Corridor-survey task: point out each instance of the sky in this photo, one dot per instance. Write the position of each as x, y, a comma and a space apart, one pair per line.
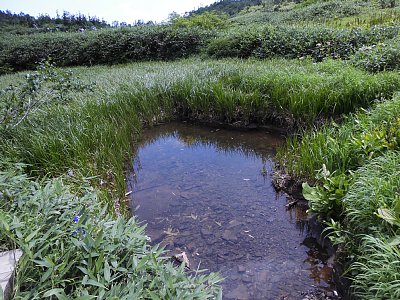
127, 11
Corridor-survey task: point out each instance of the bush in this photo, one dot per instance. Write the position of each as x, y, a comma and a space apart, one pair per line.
379, 57
296, 42
107, 46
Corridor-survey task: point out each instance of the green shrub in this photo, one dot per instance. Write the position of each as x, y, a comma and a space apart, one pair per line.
107, 46
296, 42
379, 57
323, 10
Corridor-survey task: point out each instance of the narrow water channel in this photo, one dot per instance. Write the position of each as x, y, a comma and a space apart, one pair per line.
208, 192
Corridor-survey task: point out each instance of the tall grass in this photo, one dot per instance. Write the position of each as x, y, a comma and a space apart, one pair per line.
377, 270
355, 168
360, 138
94, 132
375, 187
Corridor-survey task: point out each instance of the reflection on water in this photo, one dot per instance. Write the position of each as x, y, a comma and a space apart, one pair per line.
208, 192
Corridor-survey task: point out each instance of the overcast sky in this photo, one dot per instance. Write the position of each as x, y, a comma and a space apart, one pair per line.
112, 10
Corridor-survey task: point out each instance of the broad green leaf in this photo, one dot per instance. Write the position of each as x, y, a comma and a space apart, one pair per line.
32, 235
310, 193
387, 215
43, 263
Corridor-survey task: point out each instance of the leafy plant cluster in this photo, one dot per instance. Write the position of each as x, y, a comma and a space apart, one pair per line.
206, 20
229, 7
323, 10
73, 248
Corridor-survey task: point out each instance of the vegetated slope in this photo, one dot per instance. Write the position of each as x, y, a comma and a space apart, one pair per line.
230, 7
334, 13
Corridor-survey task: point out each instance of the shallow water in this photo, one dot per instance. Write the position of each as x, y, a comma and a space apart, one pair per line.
208, 192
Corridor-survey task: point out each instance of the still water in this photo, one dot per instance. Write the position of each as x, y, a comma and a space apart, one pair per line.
208, 192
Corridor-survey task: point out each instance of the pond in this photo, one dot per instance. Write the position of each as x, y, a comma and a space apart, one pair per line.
208, 192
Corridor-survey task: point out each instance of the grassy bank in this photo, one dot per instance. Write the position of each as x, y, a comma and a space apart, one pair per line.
354, 170
93, 132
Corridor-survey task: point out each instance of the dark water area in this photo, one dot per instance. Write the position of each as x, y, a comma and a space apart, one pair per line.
208, 192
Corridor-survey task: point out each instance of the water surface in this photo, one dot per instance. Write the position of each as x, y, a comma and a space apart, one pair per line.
208, 192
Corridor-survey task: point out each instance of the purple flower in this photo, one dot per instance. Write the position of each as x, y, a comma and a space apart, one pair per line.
79, 230
76, 219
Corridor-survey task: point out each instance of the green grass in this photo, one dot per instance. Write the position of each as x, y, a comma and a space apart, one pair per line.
344, 147
372, 210
336, 14
377, 271
94, 132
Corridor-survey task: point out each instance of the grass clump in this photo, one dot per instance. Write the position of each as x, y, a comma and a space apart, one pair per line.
360, 138
377, 270
374, 196
372, 210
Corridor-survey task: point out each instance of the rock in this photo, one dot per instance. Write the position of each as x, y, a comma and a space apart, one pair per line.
211, 241
234, 223
182, 258
262, 276
241, 269
246, 279
8, 261
206, 233
229, 236
239, 293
